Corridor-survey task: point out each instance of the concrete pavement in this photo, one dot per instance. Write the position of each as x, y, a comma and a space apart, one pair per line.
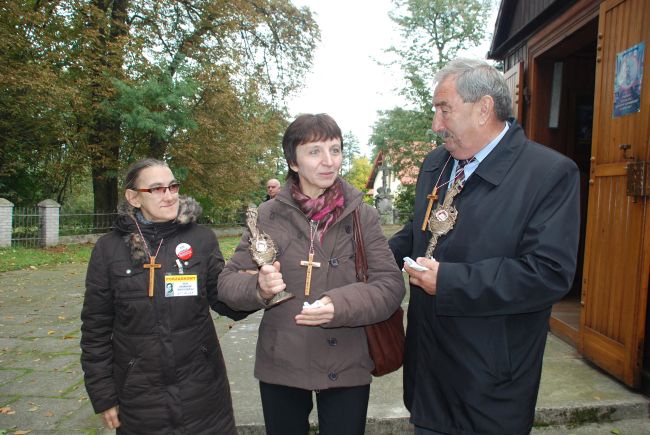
42, 392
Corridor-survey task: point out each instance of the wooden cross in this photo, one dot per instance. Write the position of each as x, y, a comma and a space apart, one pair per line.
432, 198
310, 263
152, 266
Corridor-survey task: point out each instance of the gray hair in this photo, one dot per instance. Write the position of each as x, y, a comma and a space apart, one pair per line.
477, 78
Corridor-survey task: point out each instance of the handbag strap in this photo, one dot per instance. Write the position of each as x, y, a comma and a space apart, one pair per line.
360, 260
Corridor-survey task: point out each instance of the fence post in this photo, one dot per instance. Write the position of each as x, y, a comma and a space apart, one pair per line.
48, 211
6, 217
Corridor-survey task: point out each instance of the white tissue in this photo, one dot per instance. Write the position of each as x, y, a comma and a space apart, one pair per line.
316, 304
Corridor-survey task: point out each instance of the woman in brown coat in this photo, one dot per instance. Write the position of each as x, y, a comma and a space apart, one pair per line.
320, 348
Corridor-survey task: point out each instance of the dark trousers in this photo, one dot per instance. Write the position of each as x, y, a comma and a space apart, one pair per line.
424, 431
341, 411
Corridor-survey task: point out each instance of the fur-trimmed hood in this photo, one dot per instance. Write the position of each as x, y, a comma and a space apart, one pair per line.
189, 210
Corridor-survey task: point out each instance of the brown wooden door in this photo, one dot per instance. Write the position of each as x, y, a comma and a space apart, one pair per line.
617, 251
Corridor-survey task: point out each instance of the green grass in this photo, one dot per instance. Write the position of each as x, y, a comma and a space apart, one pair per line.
228, 245
18, 258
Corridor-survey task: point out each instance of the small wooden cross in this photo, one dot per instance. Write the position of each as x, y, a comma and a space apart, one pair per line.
152, 266
433, 197
310, 263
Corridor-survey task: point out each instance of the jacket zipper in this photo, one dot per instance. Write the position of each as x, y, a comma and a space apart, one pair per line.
129, 367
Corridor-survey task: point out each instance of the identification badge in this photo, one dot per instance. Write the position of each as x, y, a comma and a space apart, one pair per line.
181, 285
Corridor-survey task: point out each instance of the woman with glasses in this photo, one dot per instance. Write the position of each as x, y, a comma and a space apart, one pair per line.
150, 353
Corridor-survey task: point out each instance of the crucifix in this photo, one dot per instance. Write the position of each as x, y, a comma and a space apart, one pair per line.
152, 266
309, 263
433, 197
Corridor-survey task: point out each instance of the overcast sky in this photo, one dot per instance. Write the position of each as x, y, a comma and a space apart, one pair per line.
345, 80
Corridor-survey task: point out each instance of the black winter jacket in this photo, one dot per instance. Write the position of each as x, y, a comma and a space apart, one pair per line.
158, 358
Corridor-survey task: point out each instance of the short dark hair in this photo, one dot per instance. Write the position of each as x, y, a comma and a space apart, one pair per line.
308, 128
134, 170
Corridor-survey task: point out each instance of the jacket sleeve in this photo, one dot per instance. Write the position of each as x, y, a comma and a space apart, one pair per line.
361, 303
215, 267
401, 243
541, 272
96, 331
237, 288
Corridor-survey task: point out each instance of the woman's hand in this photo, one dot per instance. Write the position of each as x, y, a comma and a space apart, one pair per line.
110, 418
270, 280
317, 316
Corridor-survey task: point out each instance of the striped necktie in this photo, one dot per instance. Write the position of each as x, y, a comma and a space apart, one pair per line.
459, 177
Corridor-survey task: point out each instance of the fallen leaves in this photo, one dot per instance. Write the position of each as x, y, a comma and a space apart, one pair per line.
7, 410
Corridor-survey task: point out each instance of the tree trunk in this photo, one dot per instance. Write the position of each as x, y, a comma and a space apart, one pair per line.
105, 134
157, 147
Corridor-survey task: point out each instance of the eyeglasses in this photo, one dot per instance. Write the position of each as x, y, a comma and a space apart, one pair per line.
160, 190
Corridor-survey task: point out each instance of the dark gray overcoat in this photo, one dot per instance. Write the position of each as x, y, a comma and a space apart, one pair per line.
474, 351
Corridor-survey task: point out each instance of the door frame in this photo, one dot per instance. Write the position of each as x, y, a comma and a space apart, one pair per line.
538, 77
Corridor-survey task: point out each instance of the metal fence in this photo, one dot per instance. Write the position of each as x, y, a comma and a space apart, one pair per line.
224, 220
25, 226
73, 224
80, 227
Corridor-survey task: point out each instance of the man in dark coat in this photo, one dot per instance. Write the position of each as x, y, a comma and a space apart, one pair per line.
506, 225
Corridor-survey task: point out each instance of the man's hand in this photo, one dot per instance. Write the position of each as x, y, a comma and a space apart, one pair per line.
270, 280
428, 279
316, 316
110, 418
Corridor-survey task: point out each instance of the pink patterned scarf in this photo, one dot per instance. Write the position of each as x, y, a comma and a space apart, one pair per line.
325, 209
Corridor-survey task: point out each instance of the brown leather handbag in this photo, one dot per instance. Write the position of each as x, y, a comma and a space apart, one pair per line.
386, 338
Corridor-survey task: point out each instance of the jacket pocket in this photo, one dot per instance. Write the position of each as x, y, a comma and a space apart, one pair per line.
213, 359
129, 281
123, 374
501, 367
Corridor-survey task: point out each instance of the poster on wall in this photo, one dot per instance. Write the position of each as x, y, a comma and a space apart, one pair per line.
627, 85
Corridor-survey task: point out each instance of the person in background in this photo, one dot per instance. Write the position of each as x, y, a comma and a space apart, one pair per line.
273, 187
150, 353
500, 243
314, 343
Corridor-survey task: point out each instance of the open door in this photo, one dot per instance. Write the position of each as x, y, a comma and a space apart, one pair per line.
617, 250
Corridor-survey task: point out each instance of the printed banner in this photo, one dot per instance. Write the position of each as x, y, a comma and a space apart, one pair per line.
627, 85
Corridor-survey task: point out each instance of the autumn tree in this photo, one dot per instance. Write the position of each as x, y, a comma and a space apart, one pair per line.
201, 84
433, 32
39, 143
350, 151
359, 172
404, 135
